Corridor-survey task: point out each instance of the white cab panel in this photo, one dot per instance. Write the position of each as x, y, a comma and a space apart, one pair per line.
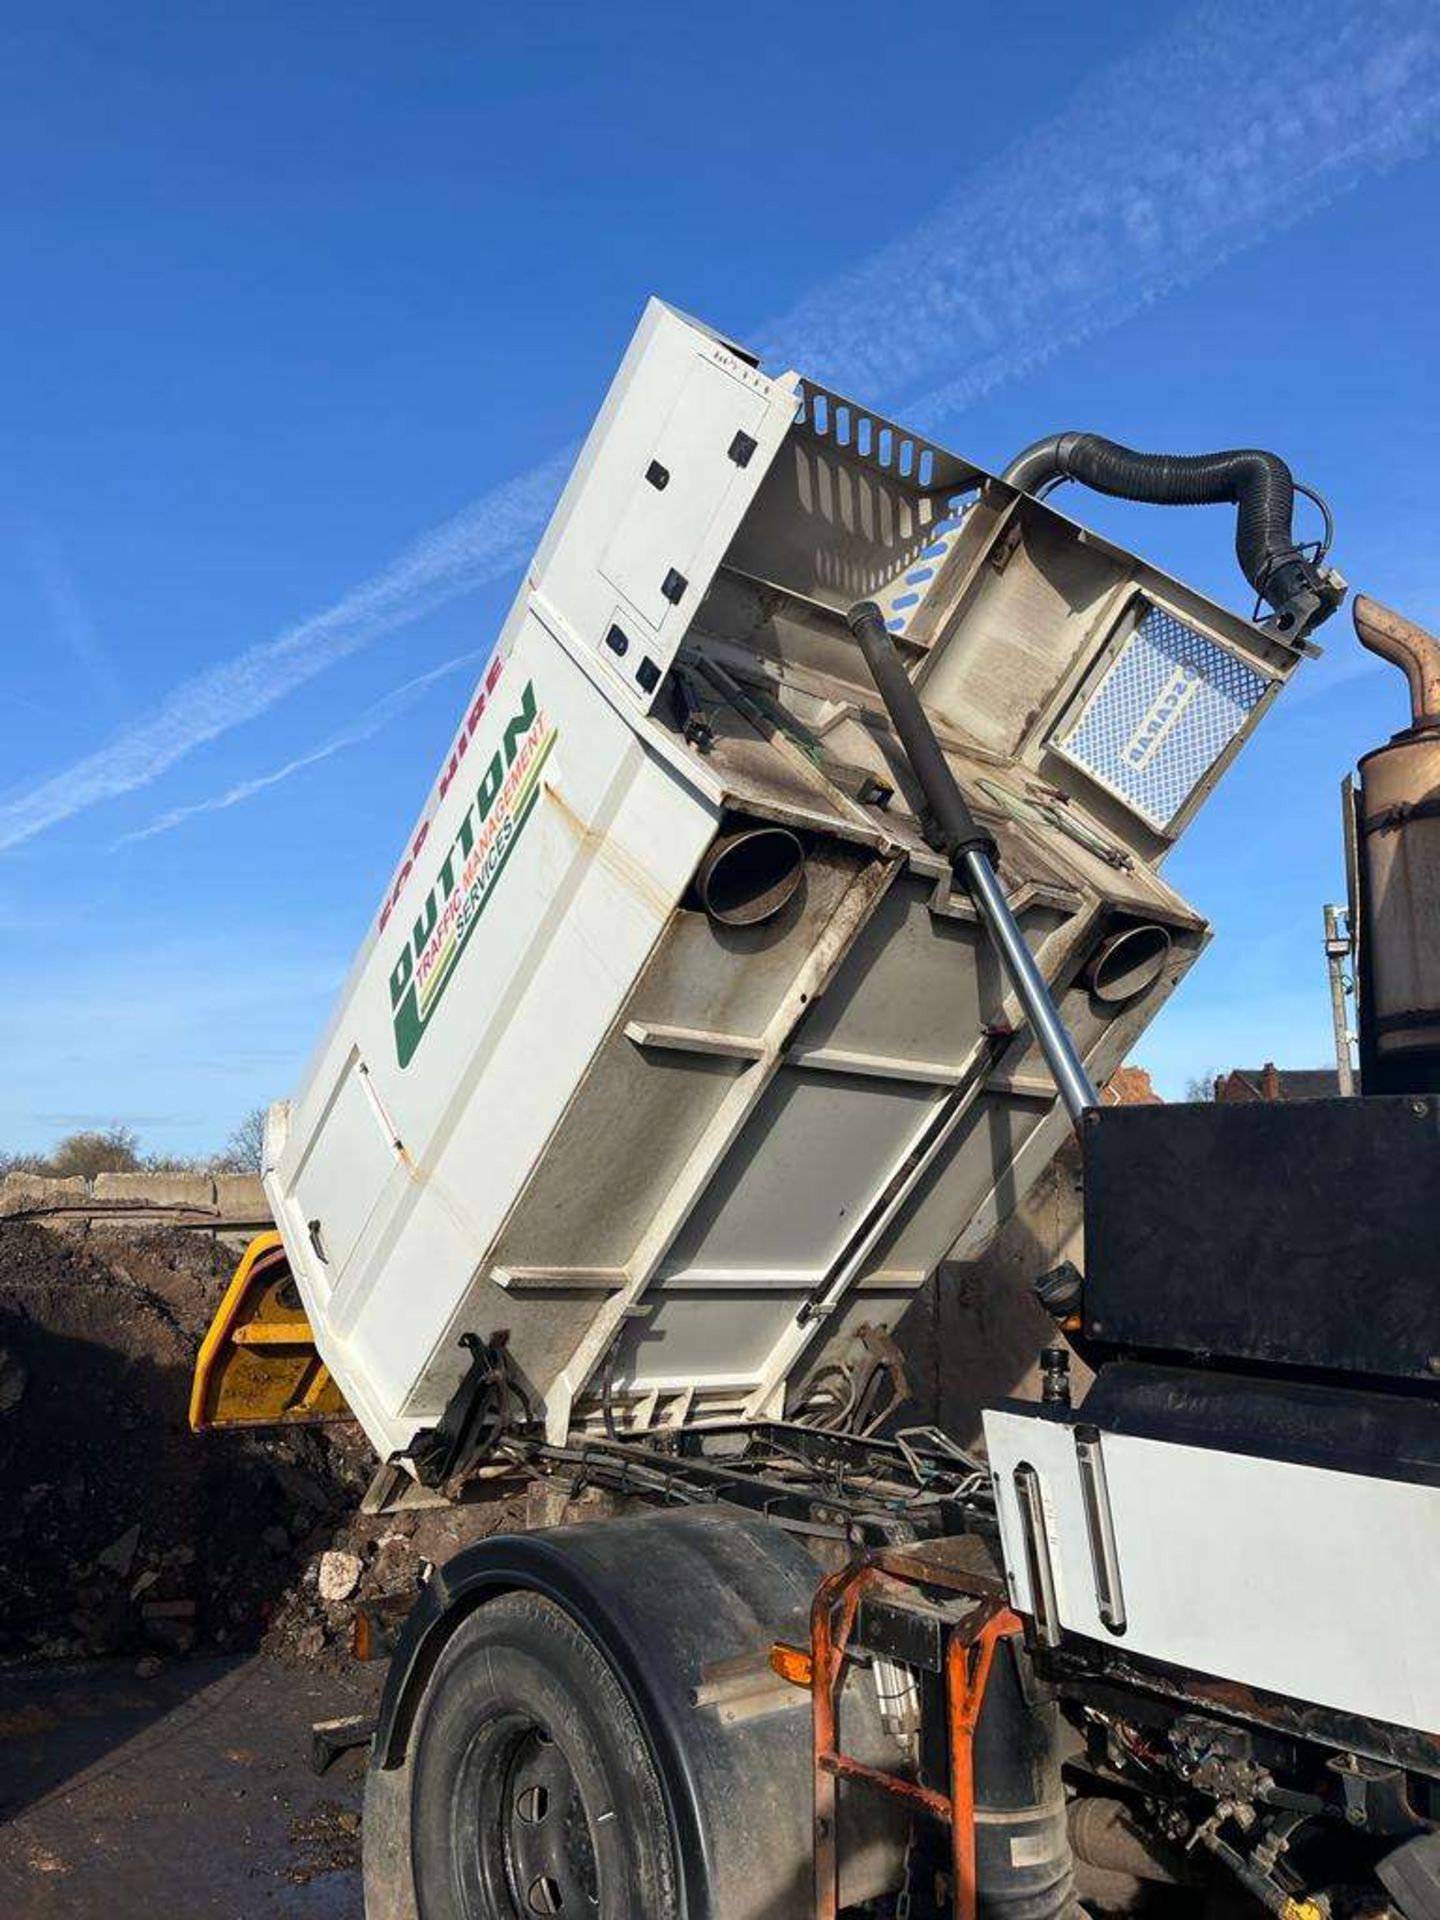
1317, 1585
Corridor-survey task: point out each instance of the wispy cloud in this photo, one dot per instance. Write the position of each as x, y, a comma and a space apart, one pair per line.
1212, 137
167, 991
491, 538
71, 622
364, 727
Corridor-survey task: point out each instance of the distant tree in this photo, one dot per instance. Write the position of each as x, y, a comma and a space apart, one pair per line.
109, 1150
245, 1149
21, 1163
1201, 1086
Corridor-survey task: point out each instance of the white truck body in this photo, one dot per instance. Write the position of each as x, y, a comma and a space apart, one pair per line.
558, 1101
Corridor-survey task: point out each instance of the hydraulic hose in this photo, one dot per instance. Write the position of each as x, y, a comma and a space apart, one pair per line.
1258, 484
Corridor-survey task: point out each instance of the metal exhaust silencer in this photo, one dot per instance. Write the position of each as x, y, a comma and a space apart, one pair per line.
1400, 855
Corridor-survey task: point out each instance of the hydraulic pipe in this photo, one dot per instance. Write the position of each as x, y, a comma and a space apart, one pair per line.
971, 851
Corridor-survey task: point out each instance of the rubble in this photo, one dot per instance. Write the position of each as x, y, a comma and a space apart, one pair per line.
14, 1377
119, 1556
338, 1574
390, 1557
328, 1840
120, 1530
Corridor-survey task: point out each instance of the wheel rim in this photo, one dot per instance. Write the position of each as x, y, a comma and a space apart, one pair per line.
530, 1851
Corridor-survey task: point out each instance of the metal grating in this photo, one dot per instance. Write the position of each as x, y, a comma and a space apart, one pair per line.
1168, 706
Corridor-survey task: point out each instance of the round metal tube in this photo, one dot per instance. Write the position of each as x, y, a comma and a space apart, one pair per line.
1409, 647
969, 845
1128, 963
1104, 1834
750, 874
1051, 1034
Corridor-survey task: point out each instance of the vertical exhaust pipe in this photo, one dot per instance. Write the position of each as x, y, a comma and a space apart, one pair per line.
971, 852
1399, 831
1407, 646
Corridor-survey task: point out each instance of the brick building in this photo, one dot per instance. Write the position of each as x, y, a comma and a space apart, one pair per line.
1278, 1083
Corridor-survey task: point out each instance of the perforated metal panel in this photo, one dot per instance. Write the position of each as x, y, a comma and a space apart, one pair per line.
1166, 708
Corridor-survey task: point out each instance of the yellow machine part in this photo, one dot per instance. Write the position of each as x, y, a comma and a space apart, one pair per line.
257, 1365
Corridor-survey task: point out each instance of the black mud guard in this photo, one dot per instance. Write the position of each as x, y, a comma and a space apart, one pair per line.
670, 1598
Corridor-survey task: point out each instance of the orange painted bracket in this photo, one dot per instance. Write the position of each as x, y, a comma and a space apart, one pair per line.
969, 1657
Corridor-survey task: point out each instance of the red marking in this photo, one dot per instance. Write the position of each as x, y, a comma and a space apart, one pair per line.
451, 768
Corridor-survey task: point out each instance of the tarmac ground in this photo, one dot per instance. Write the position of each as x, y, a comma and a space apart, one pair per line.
186, 1793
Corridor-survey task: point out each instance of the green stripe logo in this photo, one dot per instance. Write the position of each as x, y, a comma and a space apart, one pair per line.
469, 874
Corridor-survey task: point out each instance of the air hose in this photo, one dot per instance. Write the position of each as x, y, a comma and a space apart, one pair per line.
1024, 1867
1302, 591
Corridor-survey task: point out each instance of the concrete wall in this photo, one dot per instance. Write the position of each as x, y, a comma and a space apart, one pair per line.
230, 1206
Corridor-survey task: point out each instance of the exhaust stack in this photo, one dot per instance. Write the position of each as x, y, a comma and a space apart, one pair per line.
1399, 836
1409, 647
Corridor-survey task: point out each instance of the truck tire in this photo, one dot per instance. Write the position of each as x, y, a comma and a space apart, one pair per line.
385, 1845
529, 1788
641, 1643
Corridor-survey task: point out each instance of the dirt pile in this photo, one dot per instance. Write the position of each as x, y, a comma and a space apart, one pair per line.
123, 1532
379, 1563
120, 1530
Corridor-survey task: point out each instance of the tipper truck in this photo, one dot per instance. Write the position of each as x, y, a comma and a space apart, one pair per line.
793, 879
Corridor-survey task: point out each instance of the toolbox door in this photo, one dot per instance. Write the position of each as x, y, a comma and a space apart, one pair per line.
699, 455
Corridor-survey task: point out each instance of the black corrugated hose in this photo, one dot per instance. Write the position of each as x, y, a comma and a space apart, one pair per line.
1024, 1866
1258, 484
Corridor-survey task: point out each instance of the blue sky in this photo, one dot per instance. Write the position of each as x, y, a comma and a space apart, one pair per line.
302, 303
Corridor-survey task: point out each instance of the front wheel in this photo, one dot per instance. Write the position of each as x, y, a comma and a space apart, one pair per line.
530, 1788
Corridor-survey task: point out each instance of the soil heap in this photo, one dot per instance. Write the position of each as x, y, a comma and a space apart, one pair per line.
120, 1530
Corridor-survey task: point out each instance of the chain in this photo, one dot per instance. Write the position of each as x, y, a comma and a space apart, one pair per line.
905, 1905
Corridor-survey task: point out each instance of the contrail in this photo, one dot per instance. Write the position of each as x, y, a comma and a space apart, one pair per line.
69, 616
363, 728
1216, 135
491, 538
1212, 137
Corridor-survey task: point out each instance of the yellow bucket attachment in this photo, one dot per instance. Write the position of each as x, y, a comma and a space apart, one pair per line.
258, 1366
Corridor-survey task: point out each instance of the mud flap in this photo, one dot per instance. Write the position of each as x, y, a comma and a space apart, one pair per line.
258, 1365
